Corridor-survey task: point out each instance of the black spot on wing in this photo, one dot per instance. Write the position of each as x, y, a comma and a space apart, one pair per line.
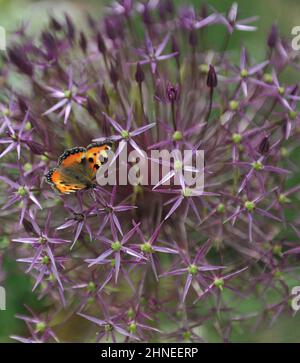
103, 159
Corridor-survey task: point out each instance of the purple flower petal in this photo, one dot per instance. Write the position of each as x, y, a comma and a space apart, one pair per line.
187, 286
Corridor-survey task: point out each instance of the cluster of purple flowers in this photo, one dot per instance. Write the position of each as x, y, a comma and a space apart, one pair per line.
137, 263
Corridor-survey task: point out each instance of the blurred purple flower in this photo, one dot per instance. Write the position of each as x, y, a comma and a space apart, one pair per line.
72, 94
152, 55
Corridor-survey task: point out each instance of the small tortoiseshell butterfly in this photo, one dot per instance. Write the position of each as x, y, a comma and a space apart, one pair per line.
77, 167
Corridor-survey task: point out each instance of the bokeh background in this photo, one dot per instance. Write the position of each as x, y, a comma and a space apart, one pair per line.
34, 13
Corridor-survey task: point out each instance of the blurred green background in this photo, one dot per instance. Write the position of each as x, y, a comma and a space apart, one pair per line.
284, 13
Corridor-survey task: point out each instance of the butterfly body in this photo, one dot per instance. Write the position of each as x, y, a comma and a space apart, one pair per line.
77, 167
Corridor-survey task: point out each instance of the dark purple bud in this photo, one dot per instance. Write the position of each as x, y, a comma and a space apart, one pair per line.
166, 7
28, 226
114, 76
91, 106
193, 40
118, 25
273, 36
104, 96
146, 16
294, 90
169, 6
48, 40
172, 93
101, 44
50, 44
70, 28
17, 56
91, 22
110, 29
82, 42
139, 74
55, 25
22, 105
264, 146
212, 80
284, 127
162, 10
36, 147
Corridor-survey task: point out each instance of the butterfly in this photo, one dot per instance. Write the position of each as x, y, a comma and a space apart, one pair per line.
77, 167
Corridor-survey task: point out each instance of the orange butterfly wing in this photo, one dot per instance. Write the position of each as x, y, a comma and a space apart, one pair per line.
96, 154
57, 178
72, 156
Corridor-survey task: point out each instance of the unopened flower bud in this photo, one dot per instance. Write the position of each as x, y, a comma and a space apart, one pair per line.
264, 146
35, 147
172, 93
212, 80
114, 77
110, 29
273, 36
101, 44
70, 28
91, 106
22, 104
55, 25
18, 57
139, 74
83, 42
146, 16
